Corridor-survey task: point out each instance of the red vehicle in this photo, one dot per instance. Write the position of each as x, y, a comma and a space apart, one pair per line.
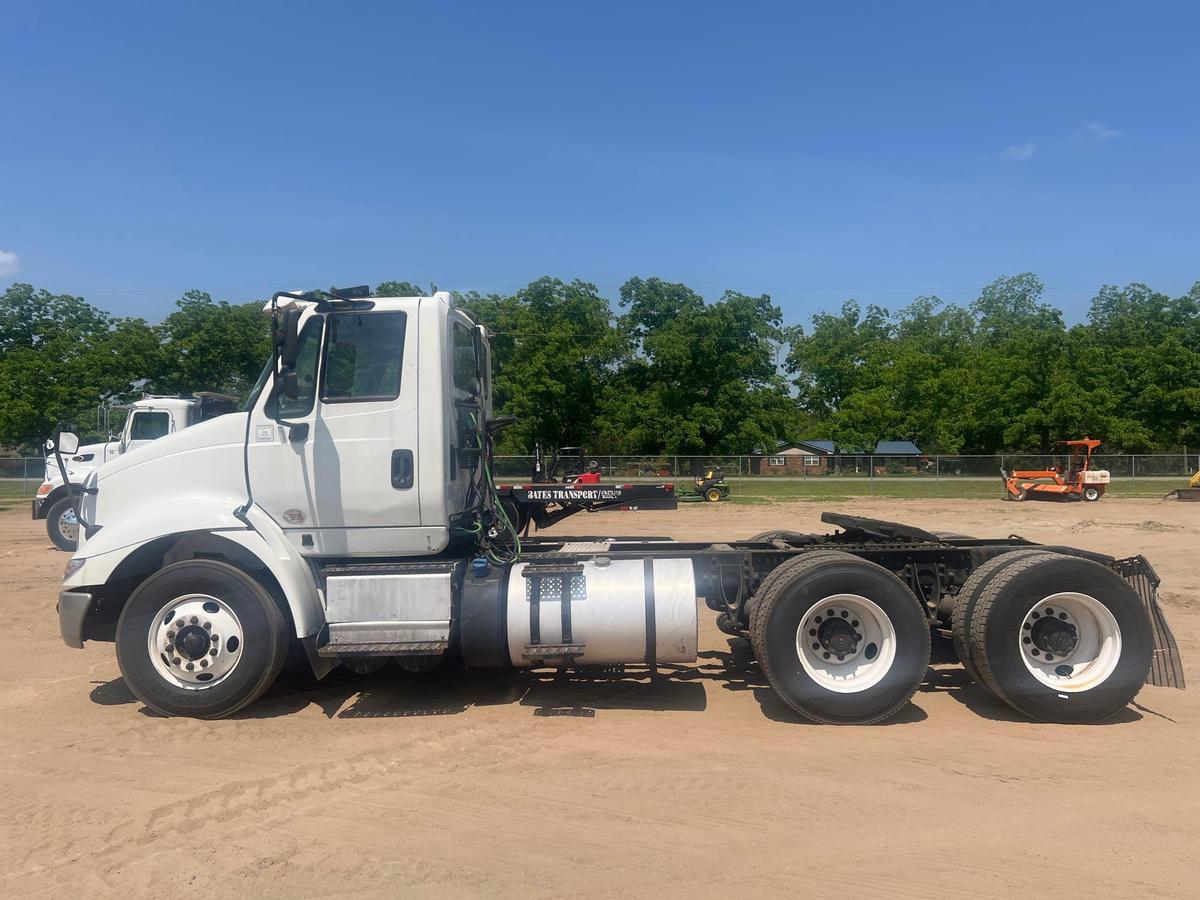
1079, 482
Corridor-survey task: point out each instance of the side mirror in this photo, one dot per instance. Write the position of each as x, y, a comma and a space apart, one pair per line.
287, 338
66, 443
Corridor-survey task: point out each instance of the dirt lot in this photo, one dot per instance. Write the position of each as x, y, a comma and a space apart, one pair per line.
702, 784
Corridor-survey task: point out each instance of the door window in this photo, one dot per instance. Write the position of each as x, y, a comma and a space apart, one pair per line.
149, 426
281, 407
363, 357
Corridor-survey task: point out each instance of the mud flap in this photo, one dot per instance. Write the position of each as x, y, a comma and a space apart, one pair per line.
1166, 667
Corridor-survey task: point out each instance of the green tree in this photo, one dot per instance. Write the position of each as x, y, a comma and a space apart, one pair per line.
556, 349
704, 379
60, 358
210, 345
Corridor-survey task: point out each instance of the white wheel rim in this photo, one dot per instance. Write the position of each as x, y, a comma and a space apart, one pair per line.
195, 641
1085, 632
873, 645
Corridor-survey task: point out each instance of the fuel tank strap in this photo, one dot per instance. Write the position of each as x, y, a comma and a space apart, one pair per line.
651, 637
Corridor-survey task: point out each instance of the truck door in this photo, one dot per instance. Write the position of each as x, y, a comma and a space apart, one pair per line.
340, 475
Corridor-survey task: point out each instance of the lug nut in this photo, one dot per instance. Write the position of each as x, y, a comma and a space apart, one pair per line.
212, 652
812, 632
194, 620
845, 615
1049, 611
854, 623
1062, 615
1026, 640
190, 667
208, 626
816, 646
829, 612
204, 663
215, 638
1027, 626
175, 661
825, 655
180, 623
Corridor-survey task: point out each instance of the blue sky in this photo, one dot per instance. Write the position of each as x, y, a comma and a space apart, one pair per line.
813, 151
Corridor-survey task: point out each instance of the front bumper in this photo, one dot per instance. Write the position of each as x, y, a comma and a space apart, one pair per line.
38, 503
73, 607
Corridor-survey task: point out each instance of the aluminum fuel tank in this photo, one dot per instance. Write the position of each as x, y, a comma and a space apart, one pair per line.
601, 611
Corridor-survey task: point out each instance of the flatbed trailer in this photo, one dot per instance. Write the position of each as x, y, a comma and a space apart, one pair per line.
370, 528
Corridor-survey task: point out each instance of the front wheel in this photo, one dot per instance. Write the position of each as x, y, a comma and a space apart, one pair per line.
712, 495
200, 638
1091, 494
62, 525
841, 639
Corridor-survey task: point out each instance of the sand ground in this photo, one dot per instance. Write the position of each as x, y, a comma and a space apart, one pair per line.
700, 784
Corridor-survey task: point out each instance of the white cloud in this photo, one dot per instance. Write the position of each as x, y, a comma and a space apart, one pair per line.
1019, 151
1099, 131
10, 263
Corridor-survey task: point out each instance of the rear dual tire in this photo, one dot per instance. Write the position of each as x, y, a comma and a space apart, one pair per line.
1058, 638
813, 607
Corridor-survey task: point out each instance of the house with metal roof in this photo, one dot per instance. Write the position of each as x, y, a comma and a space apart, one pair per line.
897, 448
807, 457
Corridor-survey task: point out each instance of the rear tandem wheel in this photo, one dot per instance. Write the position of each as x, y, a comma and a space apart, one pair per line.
841, 639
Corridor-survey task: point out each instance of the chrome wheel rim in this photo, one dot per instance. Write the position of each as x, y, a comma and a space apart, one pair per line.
68, 525
846, 643
195, 641
1070, 642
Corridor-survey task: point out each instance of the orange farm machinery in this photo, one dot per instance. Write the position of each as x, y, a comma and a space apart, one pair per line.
1079, 482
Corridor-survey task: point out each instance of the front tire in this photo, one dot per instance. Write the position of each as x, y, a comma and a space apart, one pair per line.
841, 640
1061, 639
62, 525
1091, 494
200, 638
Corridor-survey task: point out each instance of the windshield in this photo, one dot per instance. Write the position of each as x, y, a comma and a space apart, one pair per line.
258, 386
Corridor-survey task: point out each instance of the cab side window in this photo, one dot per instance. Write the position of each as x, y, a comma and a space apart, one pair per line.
149, 426
466, 362
281, 407
363, 357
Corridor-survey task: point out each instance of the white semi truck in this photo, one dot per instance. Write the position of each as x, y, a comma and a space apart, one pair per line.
352, 508
148, 419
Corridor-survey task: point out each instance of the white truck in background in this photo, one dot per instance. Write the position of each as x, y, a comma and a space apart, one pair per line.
149, 418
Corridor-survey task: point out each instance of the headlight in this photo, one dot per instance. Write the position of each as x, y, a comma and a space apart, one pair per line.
73, 566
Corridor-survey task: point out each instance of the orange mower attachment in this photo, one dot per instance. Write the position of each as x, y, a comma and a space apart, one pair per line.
1079, 482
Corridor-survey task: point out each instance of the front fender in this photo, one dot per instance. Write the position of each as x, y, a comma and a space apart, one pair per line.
202, 523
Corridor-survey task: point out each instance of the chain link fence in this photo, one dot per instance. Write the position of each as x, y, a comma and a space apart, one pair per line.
798, 475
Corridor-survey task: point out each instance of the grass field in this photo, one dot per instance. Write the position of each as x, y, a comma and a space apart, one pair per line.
769, 490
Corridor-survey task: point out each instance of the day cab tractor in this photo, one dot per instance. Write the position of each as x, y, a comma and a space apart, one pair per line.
1079, 482
147, 419
352, 509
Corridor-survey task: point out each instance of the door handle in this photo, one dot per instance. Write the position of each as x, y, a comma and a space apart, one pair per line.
402, 469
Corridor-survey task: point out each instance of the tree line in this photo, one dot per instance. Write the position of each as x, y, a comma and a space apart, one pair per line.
665, 370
